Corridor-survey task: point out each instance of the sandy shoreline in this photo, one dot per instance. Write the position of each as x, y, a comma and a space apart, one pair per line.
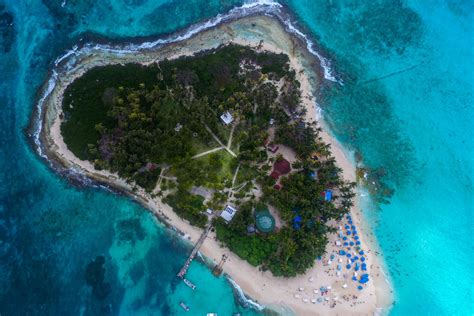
276, 293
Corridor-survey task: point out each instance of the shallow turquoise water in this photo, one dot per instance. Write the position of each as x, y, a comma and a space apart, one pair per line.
406, 105
417, 124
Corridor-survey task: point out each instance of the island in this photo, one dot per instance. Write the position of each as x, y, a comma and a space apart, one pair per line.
218, 135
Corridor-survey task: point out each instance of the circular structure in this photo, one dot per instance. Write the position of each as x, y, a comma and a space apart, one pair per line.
264, 221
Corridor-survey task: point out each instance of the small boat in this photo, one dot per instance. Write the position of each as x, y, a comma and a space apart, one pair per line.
189, 283
184, 306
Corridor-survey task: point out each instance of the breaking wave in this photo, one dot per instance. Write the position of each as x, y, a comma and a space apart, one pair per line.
244, 300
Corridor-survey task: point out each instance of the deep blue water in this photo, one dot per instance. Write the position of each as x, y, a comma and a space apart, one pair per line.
406, 106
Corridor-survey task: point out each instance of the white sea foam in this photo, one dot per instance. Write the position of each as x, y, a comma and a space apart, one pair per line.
39, 112
245, 300
266, 7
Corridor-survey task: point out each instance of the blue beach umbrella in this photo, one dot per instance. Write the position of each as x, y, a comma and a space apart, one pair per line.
362, 259
346, 244
339, 267
342, 252
348, 255
360, 287
354, 278
344, 238
348, 232
348, 266
364, 278
356, 237
351, 243
357, 242
361, 252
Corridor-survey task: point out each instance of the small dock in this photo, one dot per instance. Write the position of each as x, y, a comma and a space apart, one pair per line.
217, 271
193, 253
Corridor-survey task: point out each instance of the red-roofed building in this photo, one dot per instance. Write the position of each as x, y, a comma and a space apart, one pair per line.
282, 167
150, 166
275, 175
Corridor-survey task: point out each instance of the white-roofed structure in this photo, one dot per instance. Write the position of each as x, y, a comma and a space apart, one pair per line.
227, 118
228, 213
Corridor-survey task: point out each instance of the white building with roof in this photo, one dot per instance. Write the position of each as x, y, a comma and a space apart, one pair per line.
228, 213
227, 118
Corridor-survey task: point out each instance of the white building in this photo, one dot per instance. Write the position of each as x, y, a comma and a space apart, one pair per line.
228, 213
227, 118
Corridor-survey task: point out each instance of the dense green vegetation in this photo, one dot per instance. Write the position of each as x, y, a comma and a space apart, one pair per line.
154, 125
87, 101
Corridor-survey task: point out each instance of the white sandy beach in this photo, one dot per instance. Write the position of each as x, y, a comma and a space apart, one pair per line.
286, 295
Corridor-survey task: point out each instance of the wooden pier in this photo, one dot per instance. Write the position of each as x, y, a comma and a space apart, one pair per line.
198, 244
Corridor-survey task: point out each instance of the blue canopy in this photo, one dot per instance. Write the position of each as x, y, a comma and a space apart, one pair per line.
351, 243
348, 266
353, 227
356, 237
360, 287
364, 278
361, 252
344, 238
357, 242
328, 195
348, 255
297, 219
362, 259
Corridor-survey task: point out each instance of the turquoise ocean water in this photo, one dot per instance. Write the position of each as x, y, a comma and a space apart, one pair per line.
406, 104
